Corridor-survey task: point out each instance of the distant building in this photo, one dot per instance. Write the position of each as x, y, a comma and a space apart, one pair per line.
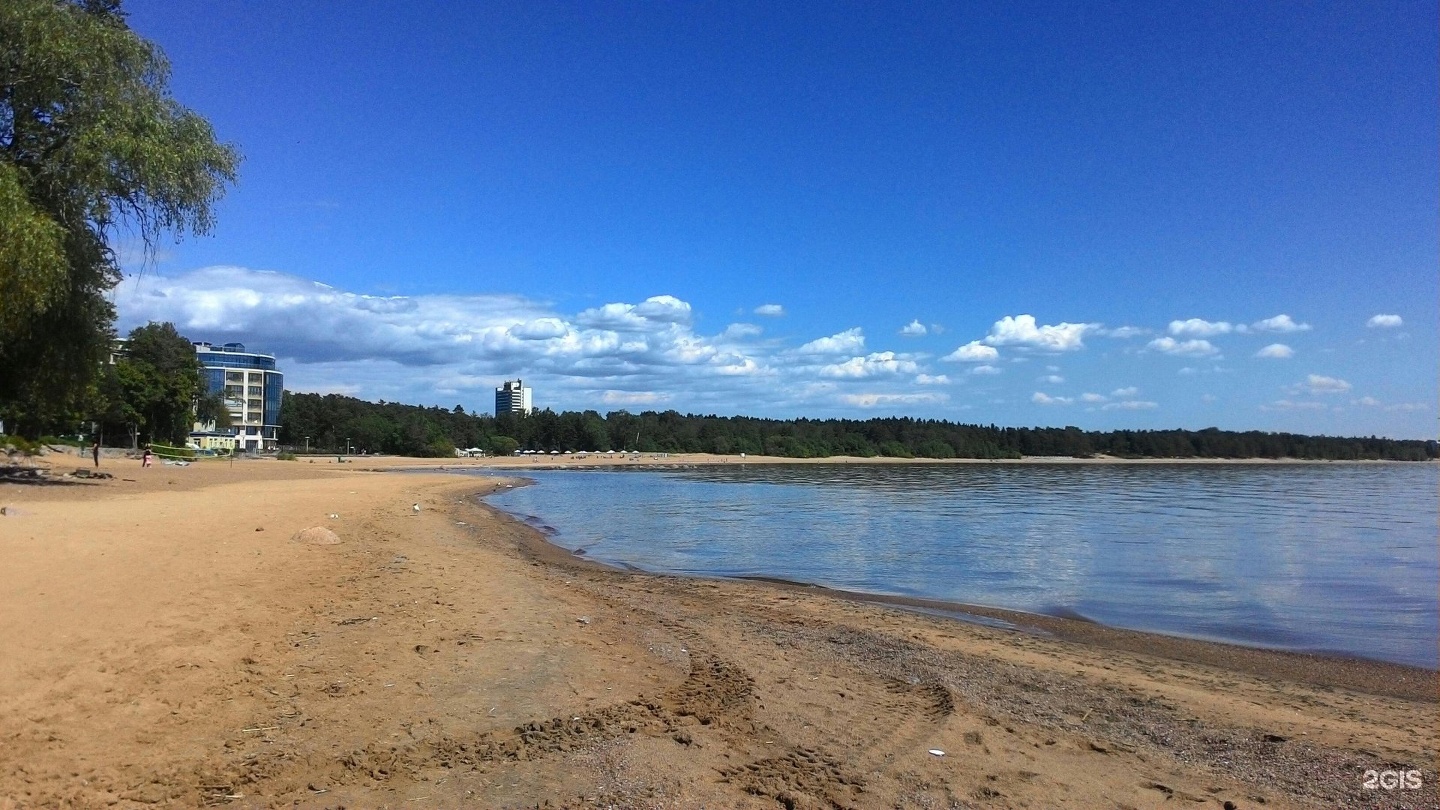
512, 397
251, 387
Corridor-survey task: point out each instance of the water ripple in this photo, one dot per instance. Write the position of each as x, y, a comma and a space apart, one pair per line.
1337, 557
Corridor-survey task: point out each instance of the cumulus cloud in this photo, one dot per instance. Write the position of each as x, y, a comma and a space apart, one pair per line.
1126, 392
873, 365
741, 331
633, 397
874, 400
1053, 379
1280, 323
1130, 405
1092, 398
645, 316
770, 310
1320, 384
986, 370
1276, 351
926, 379
1403, 407
539, 329
1040, 398
1021, 330
1289, 405
1385, 322
1196, 327
913, 329
847, 342
1184, 348
1124, 332
317, 323
371, 346
973, 352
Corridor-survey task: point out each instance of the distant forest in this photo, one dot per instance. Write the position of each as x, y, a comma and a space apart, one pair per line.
327, 423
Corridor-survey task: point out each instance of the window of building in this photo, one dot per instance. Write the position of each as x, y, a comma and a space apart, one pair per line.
255, 390
234, 376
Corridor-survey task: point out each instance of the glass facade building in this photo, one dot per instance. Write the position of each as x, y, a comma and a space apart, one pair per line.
251, 387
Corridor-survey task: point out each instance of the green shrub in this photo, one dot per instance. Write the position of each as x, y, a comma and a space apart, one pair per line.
286, 456
18, 444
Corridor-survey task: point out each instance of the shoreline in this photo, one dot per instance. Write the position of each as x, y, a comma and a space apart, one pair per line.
1359, 671
678, 460
449, 655
1326, 669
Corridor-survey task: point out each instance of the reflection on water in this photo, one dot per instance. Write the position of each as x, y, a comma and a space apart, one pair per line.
1335, 557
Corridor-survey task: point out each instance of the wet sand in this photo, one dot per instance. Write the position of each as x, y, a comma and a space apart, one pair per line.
165, 642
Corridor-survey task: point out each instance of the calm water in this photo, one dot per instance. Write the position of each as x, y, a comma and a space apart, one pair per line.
1337, 557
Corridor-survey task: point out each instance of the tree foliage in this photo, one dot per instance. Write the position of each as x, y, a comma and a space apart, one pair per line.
409, 430
152, 389
91, 146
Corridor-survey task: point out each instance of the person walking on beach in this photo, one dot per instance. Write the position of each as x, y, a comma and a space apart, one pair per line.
95, 452
145, 459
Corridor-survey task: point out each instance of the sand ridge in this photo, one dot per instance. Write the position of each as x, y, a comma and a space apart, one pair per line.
164, 643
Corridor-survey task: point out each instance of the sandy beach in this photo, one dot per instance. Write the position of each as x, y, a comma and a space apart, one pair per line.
174, 636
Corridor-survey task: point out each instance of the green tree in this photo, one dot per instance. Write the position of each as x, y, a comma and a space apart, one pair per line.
210, 408
153, 387
503, 445
90, 143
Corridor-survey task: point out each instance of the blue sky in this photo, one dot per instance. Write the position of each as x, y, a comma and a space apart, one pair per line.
1105, 215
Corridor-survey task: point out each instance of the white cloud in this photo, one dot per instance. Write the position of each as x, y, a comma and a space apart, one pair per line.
632, 397
913, 329
873, 365
1276, 351
1195, 327
770, 310
1369, 402
1092, 398
1045, 399
1124, 332
972, 352
1130, 405
985, 370
1020, 330
652, 313
873, 400
1408, 407
1124, 393
1319, 384
1280, 323
539, 329
1385, 322
1053, 379
847, 342
329, 339
926, 379
1288, 405
741, 331
1186, 348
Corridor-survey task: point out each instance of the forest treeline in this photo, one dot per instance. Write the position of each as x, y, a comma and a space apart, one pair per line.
330, 422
